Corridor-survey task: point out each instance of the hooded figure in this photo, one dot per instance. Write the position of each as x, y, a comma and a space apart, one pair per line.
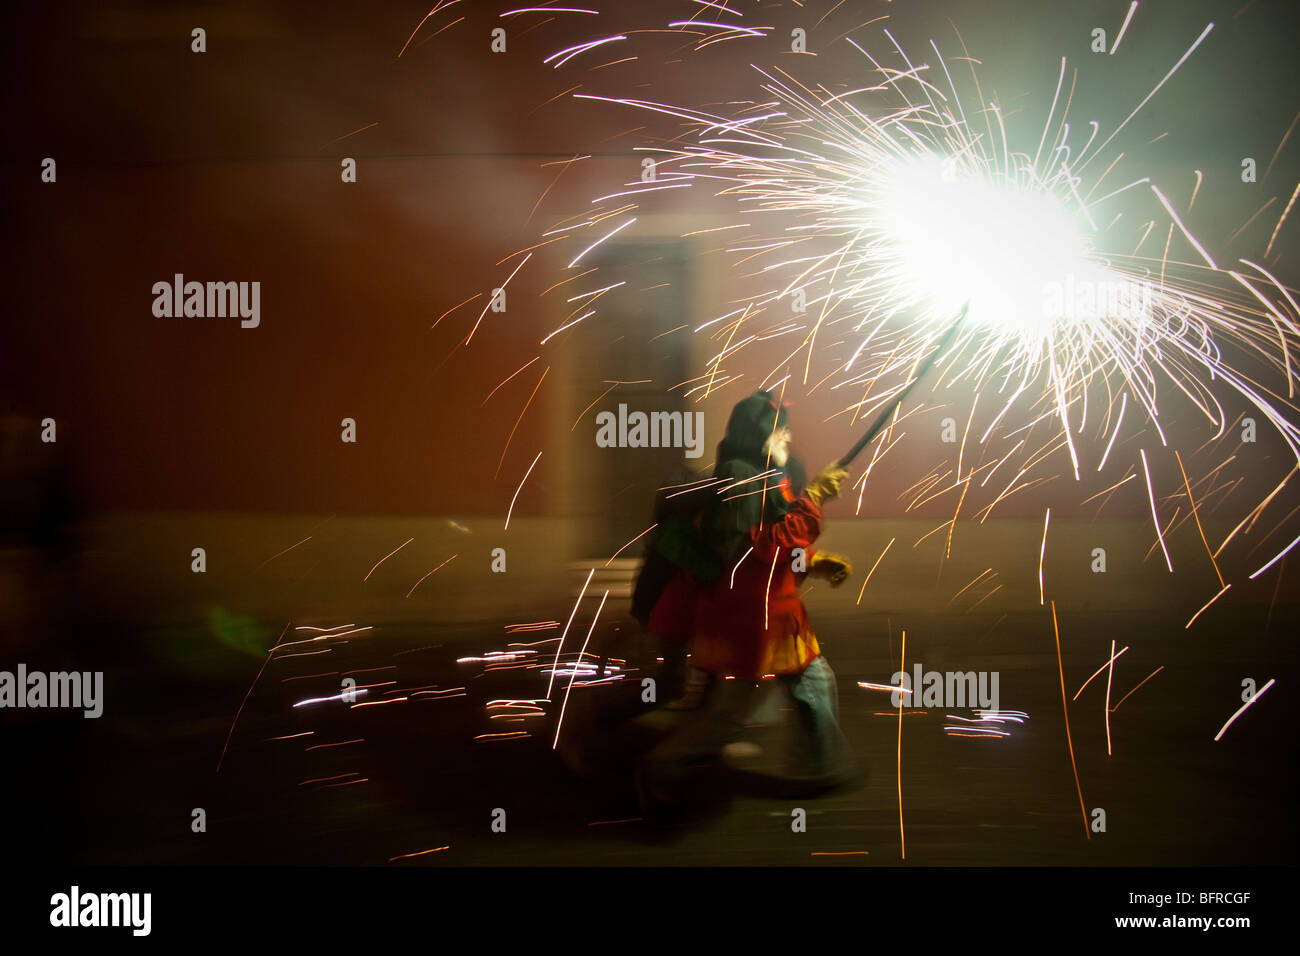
699, 526
748, 621
663, 601
756, 444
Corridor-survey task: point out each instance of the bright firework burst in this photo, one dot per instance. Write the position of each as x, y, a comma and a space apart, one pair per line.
866, 218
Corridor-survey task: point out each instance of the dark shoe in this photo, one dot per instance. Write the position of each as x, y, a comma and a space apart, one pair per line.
760, 783
850, 775
656, 812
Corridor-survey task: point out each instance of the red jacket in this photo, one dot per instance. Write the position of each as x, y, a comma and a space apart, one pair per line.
674, 613
750, 622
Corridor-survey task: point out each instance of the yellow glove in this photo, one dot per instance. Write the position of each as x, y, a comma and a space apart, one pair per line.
827, 483
834, 567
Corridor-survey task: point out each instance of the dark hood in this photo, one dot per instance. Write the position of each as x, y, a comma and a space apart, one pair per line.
741, 460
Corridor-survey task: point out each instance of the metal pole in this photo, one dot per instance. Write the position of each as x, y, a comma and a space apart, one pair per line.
883, 417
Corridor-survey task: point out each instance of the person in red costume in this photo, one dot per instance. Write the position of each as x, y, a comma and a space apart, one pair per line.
749, 623
663, 601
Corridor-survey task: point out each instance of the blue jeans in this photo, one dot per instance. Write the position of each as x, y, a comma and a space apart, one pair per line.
817, 708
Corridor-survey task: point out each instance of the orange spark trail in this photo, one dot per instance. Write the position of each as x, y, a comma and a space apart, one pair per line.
1140, 683
386, 557
1042, 553
952, 525
1281, 143
566, 164
669, 332
421, 581
249, 693
873, 568
902, 666
454, 308
488, 304
713, 373
285, 551
983, 599
1240, 710
508, 378
1278, 227
1066, 710
1113, 655
578, 420
353, 133
435, 9
574, 673
1108, 490
1123, 403
1207, 604
732, 586
560, 646
767, 593
1110, 673
607, 235
1256, 511
1155, 518
522, 413
404, 856
568, 325
632, 542
780, 402
1188, 486
511, 510
700, 232
1246, 224
338, 776
975, 580
572, 278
